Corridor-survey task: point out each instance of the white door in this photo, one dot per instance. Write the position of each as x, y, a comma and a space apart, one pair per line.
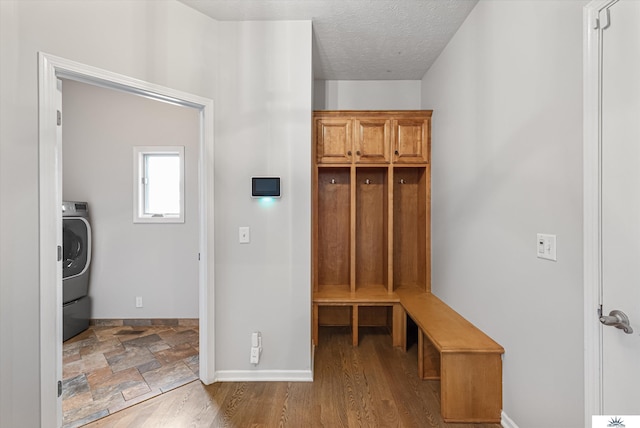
621, 205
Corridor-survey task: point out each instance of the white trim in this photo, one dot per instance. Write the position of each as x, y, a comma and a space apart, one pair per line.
506, 421
264, 376
50, 68
593, 394
50, 220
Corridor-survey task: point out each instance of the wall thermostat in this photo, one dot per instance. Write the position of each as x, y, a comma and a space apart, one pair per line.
265, 187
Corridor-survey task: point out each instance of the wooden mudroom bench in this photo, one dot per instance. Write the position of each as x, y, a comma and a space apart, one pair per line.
467, 362
371, 253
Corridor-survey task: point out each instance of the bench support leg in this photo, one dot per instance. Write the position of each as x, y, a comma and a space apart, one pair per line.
315, 324
471, 387
354, 325
399, 327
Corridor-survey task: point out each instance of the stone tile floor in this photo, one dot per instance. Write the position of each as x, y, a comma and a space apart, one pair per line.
107, 369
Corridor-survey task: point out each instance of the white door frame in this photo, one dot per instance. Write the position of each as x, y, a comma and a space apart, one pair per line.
592, 210
51, 68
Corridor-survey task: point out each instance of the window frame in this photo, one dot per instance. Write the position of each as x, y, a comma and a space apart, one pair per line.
139, 191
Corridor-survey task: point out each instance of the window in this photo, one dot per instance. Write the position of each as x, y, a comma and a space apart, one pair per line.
158, 195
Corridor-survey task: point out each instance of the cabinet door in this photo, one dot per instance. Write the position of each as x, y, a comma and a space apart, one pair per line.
373, 140
411, 141
333, 140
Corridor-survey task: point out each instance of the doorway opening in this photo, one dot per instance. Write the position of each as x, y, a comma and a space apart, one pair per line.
51, 69
139, 335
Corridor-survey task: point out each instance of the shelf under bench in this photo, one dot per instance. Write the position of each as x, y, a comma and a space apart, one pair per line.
367, 297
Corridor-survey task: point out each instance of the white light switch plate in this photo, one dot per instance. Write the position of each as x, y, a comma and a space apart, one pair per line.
244, 236
546, 246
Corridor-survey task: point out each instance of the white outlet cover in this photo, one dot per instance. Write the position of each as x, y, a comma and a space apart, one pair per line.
244, 235
255, 355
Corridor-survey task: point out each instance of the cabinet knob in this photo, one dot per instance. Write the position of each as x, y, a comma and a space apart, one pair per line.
396, 153
358, 153
349, 152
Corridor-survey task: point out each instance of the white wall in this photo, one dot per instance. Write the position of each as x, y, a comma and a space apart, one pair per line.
259, 112
366, 94
163, 42
158, 262
507, 163
265, 88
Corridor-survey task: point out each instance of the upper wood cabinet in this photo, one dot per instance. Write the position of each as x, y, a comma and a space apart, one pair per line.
373, 140
372, 137
411, 140
333, 140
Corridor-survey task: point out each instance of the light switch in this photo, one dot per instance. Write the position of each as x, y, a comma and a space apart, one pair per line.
546, 246
244, 236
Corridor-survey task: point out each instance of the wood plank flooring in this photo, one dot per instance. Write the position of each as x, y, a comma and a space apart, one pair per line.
372, 385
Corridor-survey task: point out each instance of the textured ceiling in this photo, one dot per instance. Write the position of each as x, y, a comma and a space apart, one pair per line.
359, 39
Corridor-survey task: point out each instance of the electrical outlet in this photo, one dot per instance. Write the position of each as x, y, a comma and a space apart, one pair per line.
244, 235
138, 301
255, 355
256, 347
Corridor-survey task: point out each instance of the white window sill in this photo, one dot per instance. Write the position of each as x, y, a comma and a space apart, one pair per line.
159, 219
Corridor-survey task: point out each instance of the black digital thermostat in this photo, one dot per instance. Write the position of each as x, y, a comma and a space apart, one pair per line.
265, 187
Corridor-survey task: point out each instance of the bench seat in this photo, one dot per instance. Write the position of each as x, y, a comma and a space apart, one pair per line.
467, 362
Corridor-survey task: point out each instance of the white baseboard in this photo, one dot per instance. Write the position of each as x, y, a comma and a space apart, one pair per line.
507, 422
264, 376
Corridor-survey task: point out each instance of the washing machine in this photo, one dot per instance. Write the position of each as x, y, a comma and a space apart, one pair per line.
76, 263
